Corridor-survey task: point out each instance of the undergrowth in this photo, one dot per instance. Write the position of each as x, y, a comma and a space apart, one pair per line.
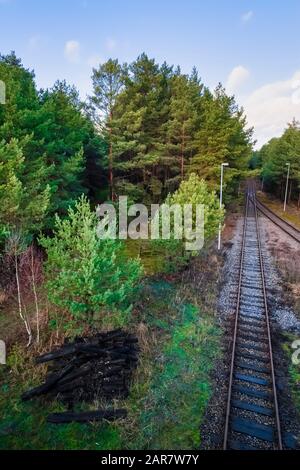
294, 369
169, 393
291, 214
180, 385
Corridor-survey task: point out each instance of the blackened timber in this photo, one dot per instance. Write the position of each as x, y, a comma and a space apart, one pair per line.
86, 416
48, 385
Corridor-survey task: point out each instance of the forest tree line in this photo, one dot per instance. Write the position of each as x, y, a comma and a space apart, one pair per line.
160, 125
272, 160
147, 131
143, 130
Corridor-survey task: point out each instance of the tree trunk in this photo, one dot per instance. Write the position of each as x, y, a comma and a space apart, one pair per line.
282, 191
23, 317
290, 191
182, 152
35, 297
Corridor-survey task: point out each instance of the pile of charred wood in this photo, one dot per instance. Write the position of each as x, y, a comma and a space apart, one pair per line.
87, 369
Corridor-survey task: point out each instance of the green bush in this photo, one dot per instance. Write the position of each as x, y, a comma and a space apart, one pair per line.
88, 277
192, 191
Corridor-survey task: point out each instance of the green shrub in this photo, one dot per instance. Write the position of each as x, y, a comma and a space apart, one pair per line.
87, 277
192, 191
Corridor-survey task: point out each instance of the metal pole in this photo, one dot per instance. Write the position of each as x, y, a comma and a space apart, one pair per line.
287, 185
221, 200
221, 197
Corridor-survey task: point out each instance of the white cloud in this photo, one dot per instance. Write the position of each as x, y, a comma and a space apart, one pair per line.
236, 78
110, 43
72, 51
270, 107
247, 16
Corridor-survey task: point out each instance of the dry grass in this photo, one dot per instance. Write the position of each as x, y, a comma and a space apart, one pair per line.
292, 213
288, 264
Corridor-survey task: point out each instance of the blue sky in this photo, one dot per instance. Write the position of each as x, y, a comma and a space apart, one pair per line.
251, 46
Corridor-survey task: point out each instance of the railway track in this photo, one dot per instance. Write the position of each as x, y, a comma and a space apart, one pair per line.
252, 414
288, 228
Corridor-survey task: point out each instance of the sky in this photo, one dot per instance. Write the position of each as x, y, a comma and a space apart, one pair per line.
251, 46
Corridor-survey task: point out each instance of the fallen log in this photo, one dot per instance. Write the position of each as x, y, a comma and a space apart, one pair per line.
112, 334
65, 351
112, 371
81, 372
132, 340
69, 350
119, 389
100, 365
48, 385
116, 361
70, 386
86, 416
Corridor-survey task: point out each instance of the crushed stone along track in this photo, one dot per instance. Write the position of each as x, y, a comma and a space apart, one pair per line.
252, 414
288, 228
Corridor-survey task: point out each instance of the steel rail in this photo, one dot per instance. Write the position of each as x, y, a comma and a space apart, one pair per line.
251, 198
235, 326
279, 221
276, 408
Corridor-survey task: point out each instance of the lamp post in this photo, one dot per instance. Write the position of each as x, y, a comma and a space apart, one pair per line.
287, 185
221, 200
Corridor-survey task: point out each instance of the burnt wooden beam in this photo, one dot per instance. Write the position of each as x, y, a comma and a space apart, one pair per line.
86, 416
48, 385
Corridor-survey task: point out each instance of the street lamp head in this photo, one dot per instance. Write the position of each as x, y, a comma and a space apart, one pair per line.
225, 164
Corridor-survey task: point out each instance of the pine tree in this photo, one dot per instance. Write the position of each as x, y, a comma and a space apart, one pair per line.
108, 81
140, 111
88, 279
276, 154
23, 201
222, 137
54, 133
180, 127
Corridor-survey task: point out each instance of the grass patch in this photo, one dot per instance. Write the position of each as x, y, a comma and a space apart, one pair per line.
152, 256
24, 426
170, 390
180, 387
292, 214
169, 398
